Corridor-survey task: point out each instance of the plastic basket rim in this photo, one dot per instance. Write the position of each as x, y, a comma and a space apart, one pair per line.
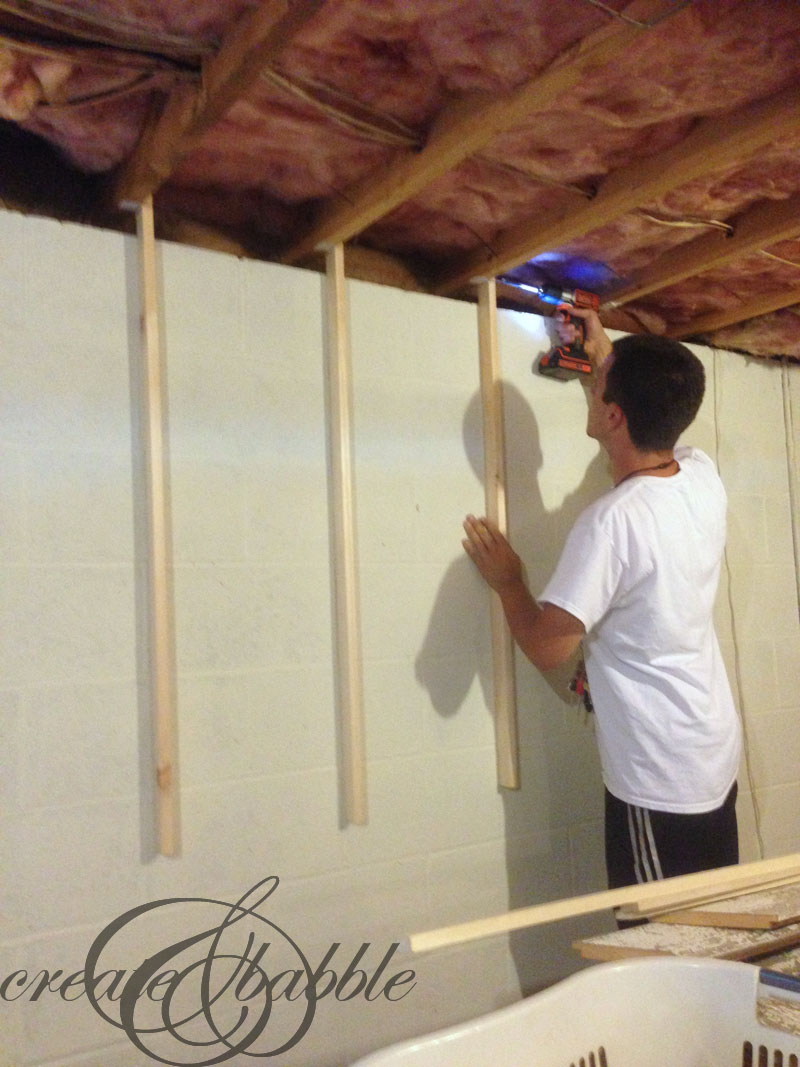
596, 972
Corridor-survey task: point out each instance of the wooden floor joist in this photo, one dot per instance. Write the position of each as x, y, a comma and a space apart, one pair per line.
465, 127
748, 309
755, 229
191, 109
505, 708
159, 547
715, 142
347, 610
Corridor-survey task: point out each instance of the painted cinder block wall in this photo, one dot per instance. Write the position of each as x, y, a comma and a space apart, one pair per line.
253, 621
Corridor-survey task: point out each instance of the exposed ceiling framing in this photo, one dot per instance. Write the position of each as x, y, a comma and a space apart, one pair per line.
106, 104
764, 224
712, 145
462, 129
189, 111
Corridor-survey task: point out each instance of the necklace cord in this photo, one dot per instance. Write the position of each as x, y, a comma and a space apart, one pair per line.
644, 470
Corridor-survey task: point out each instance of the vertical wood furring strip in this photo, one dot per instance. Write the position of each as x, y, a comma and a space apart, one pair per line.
159, 548
347, 638
505, 709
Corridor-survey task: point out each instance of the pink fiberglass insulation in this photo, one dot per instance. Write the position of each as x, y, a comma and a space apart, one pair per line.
77, 134
776, 334
175, 22
632, 242
622, 114
97, 136
775, 269
405, 57
499, 190
402, 59
293, 144
303, 159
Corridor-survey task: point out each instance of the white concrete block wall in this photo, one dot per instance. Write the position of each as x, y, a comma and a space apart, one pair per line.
70, 816
258, 746
756, 463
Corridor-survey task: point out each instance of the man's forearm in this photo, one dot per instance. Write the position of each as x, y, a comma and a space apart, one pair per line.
547, 635
521, 612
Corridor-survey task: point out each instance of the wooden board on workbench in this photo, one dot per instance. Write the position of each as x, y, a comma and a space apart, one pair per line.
763, 910
666, 939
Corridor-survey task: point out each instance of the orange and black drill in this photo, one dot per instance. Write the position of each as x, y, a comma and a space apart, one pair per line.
567, 361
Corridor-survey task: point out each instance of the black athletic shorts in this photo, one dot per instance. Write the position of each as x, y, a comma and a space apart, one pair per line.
643, 845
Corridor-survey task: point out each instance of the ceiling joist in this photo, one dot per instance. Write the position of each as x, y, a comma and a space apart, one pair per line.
465, 127
715, 142
764, 224
751, 309
190, 110
260, 205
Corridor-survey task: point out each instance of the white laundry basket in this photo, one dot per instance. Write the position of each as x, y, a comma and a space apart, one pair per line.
663, 1012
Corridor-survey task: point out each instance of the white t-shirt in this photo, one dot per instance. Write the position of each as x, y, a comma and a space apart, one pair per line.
640, 570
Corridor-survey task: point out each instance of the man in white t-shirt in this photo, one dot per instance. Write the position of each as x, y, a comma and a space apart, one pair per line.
636, 583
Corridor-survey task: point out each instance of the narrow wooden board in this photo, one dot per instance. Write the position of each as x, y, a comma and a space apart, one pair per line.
465, 126
762, 225
747, 309
176, 125
714, 143
505, 701
688, 887
346, 589
663, 939
724, 882
763, 910
160, 601
667, 906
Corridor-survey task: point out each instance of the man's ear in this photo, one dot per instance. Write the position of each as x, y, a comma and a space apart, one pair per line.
615, 416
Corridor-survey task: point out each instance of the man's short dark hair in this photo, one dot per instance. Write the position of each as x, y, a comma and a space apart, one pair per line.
659, 385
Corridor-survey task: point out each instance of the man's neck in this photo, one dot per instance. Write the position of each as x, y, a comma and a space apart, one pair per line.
630, 462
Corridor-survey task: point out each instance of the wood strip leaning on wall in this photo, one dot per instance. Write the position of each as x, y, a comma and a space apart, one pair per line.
347, 638
505, 709
159, 544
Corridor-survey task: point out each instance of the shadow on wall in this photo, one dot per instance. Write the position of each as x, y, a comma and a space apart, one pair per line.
553, 823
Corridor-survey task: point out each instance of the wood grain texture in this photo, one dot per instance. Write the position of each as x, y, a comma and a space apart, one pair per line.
764, 910
663, 939
505, 701
347, 604
681, 891
714, 143
465, 126
159, 544
757, 228
176, 125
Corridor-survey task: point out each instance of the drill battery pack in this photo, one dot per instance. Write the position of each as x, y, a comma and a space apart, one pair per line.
564, 364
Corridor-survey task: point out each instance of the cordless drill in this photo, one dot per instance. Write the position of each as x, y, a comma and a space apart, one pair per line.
568, 361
